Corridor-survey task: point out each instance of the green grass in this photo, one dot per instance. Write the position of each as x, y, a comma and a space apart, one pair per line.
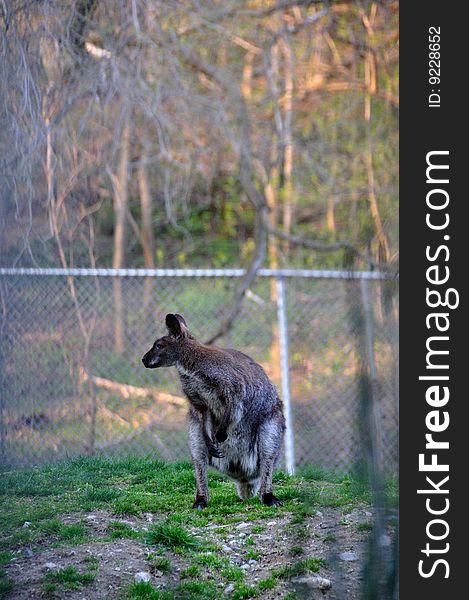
69, 578
47, 497
296, 550
243, 591
51, 526
5, 557
145, 591
118, 530
198, 590
301, 533
101, 495
170, 537
72, 534
210, 560
232, 574
310, 565
160, 563
19, 538
258, 529
191, 571
135, 485
6, 586
269, 583
92, 561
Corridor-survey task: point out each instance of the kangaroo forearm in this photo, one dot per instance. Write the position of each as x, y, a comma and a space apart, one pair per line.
206, 430
221, 432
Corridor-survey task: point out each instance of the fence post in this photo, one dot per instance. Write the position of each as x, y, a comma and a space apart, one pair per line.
283, 335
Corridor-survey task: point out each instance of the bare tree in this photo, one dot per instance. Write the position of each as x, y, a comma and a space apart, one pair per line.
146, 204
120, 184
371, 87
273, 94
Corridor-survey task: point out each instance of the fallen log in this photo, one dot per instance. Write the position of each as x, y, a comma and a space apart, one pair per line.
132, 391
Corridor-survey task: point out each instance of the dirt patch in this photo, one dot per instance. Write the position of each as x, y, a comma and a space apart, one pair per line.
260, 548
118, 561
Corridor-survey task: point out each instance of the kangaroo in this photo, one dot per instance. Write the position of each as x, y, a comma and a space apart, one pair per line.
236, 421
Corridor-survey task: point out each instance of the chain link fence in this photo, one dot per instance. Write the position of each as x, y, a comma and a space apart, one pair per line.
72, 381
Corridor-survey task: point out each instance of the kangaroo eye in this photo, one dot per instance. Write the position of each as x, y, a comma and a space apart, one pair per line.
158, 346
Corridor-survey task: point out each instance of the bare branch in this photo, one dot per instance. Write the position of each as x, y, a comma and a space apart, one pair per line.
251, 273
322, 247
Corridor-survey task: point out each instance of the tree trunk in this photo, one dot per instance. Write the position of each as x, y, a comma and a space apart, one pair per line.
271, 191
272, 253
287, 143
247, 75
371, 86
147, 239
146, 211
330, 209
120, 183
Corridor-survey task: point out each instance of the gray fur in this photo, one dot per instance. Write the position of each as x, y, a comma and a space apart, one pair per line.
236, 421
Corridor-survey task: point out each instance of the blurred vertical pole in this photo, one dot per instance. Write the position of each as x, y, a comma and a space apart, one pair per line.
283, 334
376, 570
3, 314
375, 409
3, 317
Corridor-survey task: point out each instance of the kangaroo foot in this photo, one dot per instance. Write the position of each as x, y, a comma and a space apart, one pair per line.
200, 503
270, 500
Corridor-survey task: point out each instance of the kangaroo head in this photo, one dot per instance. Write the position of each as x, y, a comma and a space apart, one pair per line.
166, 350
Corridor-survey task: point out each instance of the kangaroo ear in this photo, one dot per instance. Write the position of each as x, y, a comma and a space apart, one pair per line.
181, 320
176, 325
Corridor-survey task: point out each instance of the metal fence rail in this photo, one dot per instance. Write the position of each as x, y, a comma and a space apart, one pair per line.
71, 379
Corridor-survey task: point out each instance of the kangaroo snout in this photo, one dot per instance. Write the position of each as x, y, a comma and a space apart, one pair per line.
149, 361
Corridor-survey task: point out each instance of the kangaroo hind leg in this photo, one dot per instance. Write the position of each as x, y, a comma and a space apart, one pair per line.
270, 443
199, 454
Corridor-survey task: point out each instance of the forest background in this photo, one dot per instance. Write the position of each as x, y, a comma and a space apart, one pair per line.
199, 134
